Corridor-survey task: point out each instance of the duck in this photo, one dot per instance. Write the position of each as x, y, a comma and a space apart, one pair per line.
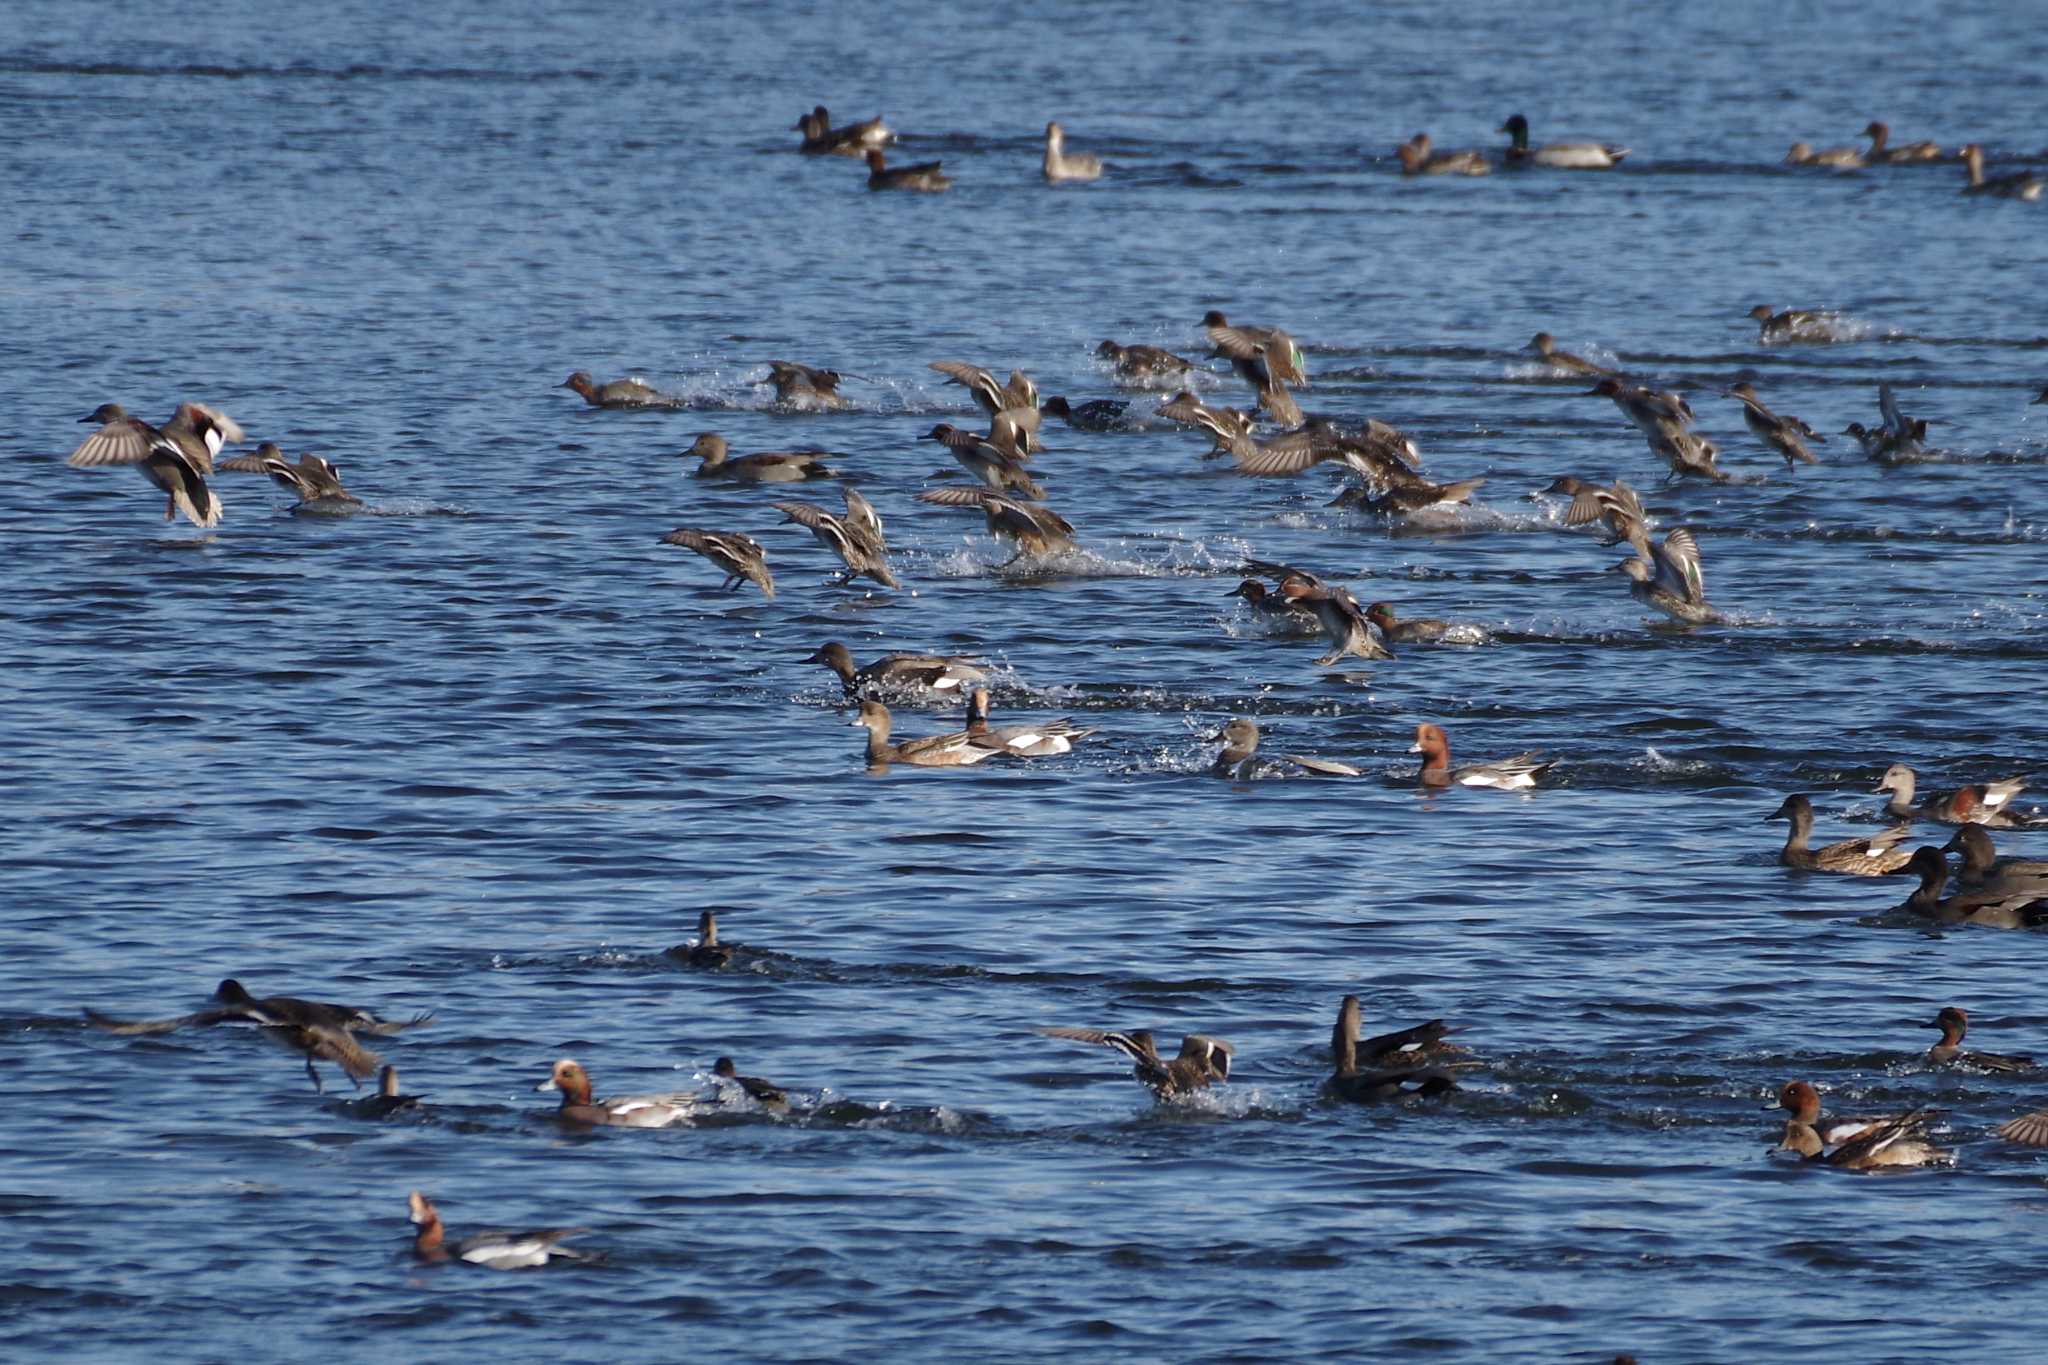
755, 1089
2009, 903
1834, 158
1786, 435
1897, 1141
1882, 153
494, 1250
619, 393
1518, 773
954, 749
1615, 506
1425, 631
1021, 741
822, 139
1794, 324
1417, 158
1899, 439
1230, 429
312, 479
1099, 414
1337, 612
1569, 156
803, 386
627, 1111
1240, 739
1800, 1100
1668, 578
1264, 357
1034, 528
1202, 1059
1274, 607
740, 558
1403, 494
2028, 1130
1954, 1023
714, 461
2022, 185
925, 177
1063, 166
707, 952
991, 395
856, 538
1870, 857
995, 460
1395, 1071
1418, 1045
1546, 349
1980, 863
896, 672
1665, 419
1988, 804
387, 1101
176, 458
1144, 364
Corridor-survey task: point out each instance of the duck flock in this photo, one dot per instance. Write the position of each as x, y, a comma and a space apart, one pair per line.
1001, 460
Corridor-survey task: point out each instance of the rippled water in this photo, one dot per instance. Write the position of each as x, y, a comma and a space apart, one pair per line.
488, 749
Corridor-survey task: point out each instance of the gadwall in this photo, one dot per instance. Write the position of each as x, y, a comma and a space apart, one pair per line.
755, 1089
954, 749
822, 139
311, 480
1793, 324
1834, 158
495, 1249
895, 672
1521, 771
620, 393
1569, 156
176, 458
1417, 158
1987, 804
715, 461
1981, 864
1954, 1023
627, 1111
2006, 903
740, 558
707, 952
994, 460
856, 538
1786, 435
1021, 741
1061, 165
1035, 529
923, 178
2023, 185
1864, 857
1144, 363
993, 396
1545, 348
1391, 1071
1240, 739
1202, 1059
1882, 153
802, 386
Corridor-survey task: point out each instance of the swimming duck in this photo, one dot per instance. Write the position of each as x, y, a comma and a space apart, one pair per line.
494, 1249
997, 462
387, 1101
1545, 348
1021, 741
933, 672
1794, 324
627, 1111
620, 393
176, 458
1871, 857
1668, 578
1228, 428
707, 952
1800, 1100
740, 558
772, 466
1202, 1059
1241, 743
856, 538
312, 479
1510, 774
993, 397
801, 386
1617, 507
2009, 903
1418, 1045
1897, 1141
1882, 153
1570, 156
1273, 606
1786, 435
1421, 632
822, 139
1981, 865
923, 178
1099, 414
1665, 419
1391, 490
1417, 158
1954, 1023
1988, 805
1337, 612
1835, 158
1062, 165
1036, 529
1144, 364
954, 749
2023, 185
756, 1089
1397, 1070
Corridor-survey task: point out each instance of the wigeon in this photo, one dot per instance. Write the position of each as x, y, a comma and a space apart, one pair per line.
1020, 741
494, 1250
1510, 774
626, 1111
2023, 185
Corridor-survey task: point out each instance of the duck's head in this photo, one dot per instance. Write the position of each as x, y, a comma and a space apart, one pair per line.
1515, 124
232, 992
1241, 733
939, 432
1927, 863
1543, 343
1972, 841
709, 445
1898, 778
1057, 406
579, 381
1381, 614
1876, 129
873, 717
1744, 390
1799, 1099
1109, 350
421, 1210
1794, 807
1762, 312
1214, 318
1251, 590
1430, 741
834, 655
1801, 151
1634, 568
1606, 388
725, 1068
571, 1079
105, 413
1952, 1019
